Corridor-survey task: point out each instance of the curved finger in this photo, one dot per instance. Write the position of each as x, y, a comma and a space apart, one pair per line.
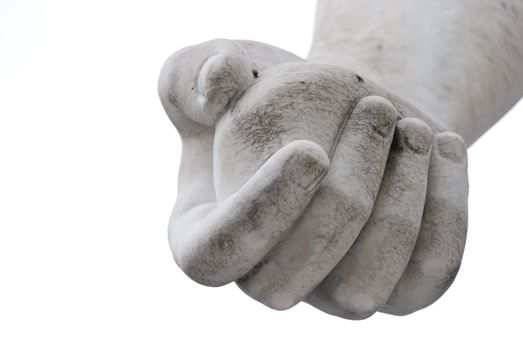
215, 244
336, 214
437, 255
364, 279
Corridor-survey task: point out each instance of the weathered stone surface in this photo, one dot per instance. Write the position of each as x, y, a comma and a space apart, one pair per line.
283, 163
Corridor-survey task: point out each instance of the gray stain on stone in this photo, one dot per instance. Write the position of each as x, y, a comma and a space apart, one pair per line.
306, 181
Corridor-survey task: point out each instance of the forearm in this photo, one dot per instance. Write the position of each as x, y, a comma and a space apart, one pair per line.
459, 62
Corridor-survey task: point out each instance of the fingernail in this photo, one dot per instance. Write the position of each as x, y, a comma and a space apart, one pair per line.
414, 134
451, 146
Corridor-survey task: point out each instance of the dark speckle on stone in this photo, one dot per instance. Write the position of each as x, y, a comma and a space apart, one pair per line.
447, 87
255, 73
360, 79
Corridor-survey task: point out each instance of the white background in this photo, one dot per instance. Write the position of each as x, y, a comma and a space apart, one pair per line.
88, 178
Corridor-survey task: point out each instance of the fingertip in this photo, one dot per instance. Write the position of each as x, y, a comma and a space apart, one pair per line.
313, 151
378, 113
307, 163
451, 146
414, 134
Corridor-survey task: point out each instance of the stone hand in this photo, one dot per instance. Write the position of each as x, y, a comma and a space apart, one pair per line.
384, 229
217, 242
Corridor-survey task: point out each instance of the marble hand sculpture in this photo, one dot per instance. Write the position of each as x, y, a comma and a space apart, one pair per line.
305, 181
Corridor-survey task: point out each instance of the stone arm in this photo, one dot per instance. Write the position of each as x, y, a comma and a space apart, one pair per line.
460, 62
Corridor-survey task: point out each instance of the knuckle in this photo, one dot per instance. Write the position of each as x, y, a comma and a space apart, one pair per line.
358, 204
205, 270
354, 206
441, 269
408, 225
197, 270
267, 289
207, 262
450, 216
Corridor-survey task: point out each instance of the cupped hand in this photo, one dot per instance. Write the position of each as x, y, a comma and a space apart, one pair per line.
306, 182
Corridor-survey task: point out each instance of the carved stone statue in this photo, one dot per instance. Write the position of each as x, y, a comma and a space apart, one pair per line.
340, 180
